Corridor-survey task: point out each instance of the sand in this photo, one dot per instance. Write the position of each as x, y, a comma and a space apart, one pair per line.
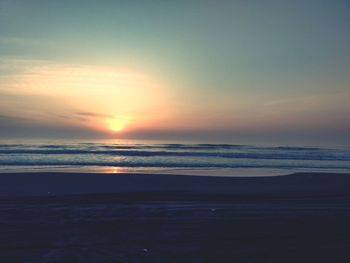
60, 217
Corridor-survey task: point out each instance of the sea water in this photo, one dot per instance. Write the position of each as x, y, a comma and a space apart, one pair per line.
173, 158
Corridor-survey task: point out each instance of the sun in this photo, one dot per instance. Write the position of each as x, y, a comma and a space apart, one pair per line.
116, 124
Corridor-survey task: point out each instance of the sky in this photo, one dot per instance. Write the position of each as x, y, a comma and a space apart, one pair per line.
233, 71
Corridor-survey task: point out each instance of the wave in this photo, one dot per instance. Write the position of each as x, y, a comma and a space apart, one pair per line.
164, 146
170, 164
342, 156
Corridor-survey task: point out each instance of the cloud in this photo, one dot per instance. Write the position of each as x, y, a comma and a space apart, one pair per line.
22, 127
5, 119
11, 128
93, 114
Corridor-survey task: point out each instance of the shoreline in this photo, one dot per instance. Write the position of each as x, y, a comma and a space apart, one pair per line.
60, 184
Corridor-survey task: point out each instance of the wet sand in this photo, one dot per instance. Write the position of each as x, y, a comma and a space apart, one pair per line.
157, 218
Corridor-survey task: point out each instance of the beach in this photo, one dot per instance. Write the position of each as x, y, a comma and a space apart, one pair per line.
76, 217
174, 131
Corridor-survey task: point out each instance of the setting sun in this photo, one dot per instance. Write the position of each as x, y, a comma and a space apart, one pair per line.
116, 125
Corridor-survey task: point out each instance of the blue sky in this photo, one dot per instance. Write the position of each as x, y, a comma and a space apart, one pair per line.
227, 69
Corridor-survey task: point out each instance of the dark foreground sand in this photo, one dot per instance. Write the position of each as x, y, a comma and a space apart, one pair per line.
168, 218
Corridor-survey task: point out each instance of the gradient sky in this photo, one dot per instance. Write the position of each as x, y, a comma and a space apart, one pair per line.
188, 70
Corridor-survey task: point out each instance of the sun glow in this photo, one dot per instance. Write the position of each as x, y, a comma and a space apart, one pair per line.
103, 99
116, 124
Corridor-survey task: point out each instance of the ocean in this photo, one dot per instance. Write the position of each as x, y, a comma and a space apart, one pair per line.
173, 158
